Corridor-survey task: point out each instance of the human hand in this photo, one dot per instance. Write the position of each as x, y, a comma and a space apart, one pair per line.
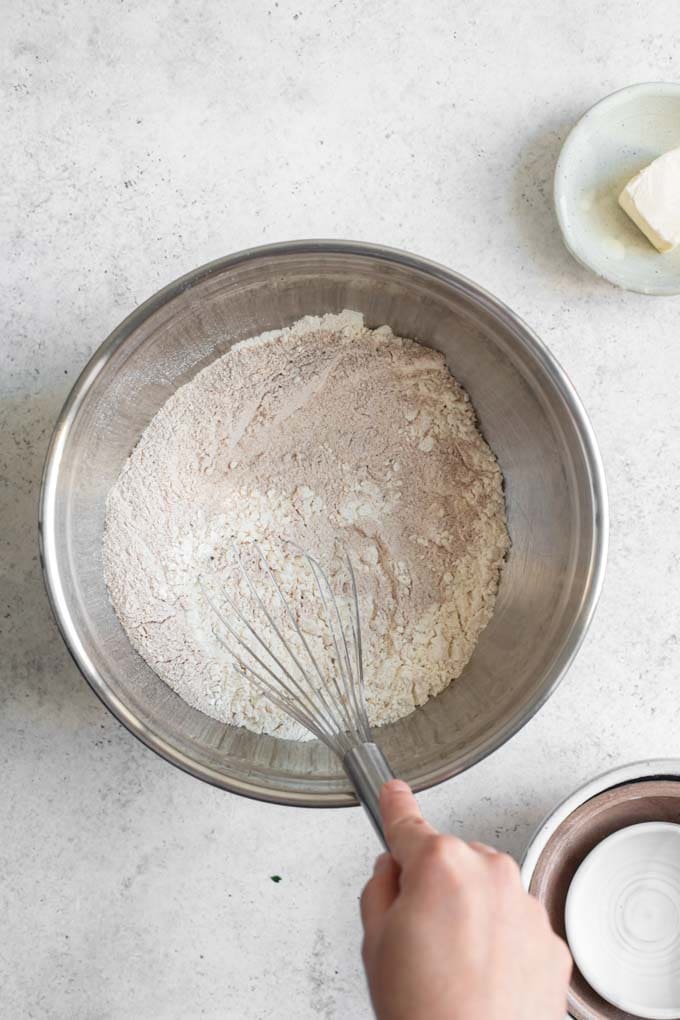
450, 933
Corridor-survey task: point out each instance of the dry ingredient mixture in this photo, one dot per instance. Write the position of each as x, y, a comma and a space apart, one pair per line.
336, 437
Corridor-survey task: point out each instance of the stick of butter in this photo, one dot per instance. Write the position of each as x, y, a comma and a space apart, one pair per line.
652, 200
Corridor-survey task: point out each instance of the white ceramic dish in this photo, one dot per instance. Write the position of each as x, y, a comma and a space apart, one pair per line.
623, 919
613, 141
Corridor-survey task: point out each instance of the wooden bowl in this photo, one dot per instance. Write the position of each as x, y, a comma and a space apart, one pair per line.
650, 800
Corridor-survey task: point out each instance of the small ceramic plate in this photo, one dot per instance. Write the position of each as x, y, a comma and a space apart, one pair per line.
612, 142
623, 919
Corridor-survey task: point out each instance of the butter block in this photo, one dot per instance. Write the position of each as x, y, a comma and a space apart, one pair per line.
652, 200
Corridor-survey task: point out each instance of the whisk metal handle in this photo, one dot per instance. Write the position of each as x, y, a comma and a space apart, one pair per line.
368, 769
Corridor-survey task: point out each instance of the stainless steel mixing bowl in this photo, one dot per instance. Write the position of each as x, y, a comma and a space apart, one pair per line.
528, 411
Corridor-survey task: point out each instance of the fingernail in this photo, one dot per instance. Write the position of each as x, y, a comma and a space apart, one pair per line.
381, 862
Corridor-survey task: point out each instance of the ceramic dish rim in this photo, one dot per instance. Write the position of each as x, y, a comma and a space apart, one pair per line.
560, 189
645, 768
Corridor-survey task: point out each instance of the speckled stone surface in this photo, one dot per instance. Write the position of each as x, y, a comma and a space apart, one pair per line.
144, 139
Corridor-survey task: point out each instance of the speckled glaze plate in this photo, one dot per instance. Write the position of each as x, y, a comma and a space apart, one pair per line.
614, 140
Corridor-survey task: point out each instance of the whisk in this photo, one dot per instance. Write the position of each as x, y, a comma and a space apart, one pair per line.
323, 692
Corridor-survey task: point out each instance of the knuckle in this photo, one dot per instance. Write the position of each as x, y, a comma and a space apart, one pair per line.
435, 850
410, 823
505, 867
442, 850
454, 846
431, 850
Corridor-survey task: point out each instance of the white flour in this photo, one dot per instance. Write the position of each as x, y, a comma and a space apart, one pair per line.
333, 436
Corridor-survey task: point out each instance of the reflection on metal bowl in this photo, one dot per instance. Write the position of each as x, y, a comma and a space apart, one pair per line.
528, 411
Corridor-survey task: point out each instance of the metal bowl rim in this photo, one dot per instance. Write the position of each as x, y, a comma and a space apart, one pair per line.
46, 514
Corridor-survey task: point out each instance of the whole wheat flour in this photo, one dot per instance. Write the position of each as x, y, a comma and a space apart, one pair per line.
335, 437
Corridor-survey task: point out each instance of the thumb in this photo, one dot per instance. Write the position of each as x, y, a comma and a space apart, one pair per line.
379, 894
405, 827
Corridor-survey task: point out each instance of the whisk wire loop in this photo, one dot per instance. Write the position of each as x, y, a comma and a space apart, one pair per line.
326, 726
323, 693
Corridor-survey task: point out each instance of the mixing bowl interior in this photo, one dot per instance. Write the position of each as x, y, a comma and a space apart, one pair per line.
527, 411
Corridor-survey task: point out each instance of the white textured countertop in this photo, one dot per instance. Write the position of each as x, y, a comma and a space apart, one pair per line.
145, 139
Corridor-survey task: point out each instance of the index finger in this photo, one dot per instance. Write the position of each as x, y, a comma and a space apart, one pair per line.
405, 828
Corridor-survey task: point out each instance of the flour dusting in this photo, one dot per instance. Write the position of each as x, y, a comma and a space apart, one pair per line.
335, 437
